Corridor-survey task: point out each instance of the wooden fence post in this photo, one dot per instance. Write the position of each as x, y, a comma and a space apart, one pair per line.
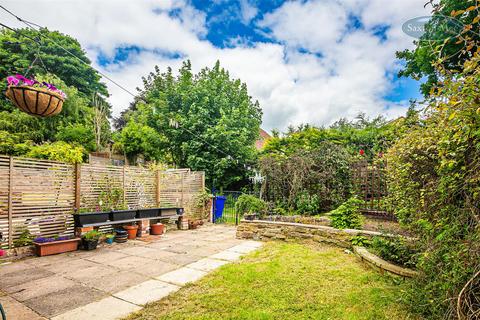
123, 185
78, 173
10, 201
181, 195
158, 187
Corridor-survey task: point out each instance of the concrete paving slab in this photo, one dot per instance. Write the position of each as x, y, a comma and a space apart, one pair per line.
106, 309
207, 264
107, 257
23, 276
180, 259
203, 251
148, 291
137, 251
17, 311
182, 276
61, 301
155, 268
227, 255
114, 280
241, 248
13, 267
86, 274
45, 261
39, 287
129, 263
72, 265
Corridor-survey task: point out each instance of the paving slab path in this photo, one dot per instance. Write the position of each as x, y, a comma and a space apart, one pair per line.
116, 280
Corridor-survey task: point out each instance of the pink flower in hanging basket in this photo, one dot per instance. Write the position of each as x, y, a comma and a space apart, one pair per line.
2, 252
362, 152
19, 80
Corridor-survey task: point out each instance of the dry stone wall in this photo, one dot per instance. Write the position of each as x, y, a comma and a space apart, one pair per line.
288, 231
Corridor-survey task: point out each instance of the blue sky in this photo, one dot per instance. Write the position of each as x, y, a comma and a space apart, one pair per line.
304, 61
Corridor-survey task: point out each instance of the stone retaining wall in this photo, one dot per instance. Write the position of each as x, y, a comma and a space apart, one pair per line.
274, 230
322, 221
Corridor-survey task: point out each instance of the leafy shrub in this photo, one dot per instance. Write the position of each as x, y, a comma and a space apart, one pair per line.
92, 235
323, 170
25, 239
347, 215
395, 250
58, 151
307, 204
250, 204
280, 211
360, 241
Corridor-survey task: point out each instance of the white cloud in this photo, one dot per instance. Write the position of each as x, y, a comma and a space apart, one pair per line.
248, 11
343, 70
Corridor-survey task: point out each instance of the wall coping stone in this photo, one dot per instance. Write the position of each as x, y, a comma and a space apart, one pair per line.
354, 232
371, 258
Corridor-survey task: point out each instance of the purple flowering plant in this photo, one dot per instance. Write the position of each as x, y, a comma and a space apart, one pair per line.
52, 239
19, 80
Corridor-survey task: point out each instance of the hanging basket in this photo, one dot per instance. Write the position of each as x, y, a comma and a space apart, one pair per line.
35, 101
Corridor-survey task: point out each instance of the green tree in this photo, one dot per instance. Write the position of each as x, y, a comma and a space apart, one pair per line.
420, 62
17, 51
205, 121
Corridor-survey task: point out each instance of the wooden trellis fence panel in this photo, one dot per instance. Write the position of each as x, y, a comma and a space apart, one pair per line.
140, 187
41, 195
95, 178
178, 188
370, 185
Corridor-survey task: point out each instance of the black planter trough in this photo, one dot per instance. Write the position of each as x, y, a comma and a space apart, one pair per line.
81, 219
166, 212
148, 213
118, 215
89, 244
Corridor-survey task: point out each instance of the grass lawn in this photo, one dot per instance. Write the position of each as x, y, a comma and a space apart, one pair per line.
285, 281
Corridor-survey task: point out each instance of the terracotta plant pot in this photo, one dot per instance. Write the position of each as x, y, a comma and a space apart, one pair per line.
156, 229
55, 247
36, 101
131, 231
192, 224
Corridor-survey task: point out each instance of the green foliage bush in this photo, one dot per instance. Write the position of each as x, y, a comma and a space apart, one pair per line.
347, 215
434, 187
92, 235
323, 170
396, 250
247, 204
58, 151
307, 204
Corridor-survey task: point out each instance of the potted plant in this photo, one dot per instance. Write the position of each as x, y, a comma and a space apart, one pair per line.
131, 231
157, 228
40, 99
90, 239
60, 244
109, 238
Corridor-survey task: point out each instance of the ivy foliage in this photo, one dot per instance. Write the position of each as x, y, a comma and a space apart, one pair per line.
434, 186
